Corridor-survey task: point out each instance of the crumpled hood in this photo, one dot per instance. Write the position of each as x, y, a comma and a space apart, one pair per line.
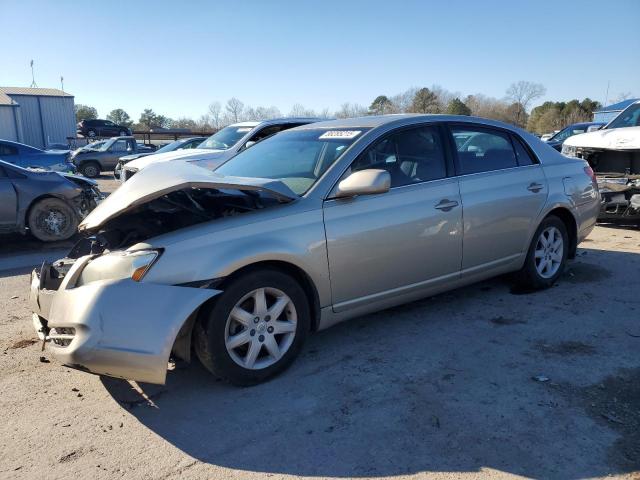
193, 153
611, 139
78, 178
166, 177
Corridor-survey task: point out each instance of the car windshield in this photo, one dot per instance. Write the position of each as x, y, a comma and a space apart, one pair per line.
297, 157
628, 118
225, 138
567, 132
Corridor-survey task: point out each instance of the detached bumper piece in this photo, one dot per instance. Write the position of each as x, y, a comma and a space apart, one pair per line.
119, 328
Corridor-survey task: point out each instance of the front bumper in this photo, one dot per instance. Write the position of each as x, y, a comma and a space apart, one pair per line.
118, 328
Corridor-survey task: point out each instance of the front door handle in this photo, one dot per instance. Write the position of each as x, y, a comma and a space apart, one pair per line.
535, 187
446, 205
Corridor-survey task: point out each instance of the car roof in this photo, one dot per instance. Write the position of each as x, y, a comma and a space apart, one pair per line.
273, 121
374, 121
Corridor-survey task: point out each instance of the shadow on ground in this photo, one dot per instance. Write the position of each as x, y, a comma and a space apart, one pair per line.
443, 385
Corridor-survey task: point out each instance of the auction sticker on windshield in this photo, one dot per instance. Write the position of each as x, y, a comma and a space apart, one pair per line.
340, 134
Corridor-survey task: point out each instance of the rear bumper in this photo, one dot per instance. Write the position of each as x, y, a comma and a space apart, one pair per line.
118, 328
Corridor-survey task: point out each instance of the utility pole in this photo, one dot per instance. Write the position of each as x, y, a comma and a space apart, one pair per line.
606, 98
33, 78
61, 83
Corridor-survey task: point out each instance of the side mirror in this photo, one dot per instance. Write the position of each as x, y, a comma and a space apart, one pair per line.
364, 182
250, 143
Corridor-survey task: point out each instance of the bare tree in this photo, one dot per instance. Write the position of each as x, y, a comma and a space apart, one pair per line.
522, 93
350, 110
299, 110
234, 109
204, 123
215, 114
623, 96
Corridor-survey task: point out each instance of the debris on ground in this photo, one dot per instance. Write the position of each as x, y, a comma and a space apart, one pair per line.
566, 348
500, 320
44, 360
26, 342
540, 378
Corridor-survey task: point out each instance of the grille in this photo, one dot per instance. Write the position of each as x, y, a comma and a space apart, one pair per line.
62, 336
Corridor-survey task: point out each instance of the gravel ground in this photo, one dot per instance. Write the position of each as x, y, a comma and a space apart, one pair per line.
481, 382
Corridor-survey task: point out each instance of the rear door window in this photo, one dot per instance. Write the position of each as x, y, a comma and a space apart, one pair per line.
482, 149
522, 154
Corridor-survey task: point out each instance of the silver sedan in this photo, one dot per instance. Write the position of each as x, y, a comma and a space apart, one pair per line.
305, 229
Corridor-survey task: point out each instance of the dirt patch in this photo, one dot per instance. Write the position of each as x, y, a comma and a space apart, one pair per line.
615, 402
578, 272
24, 343
566, 348
502, 321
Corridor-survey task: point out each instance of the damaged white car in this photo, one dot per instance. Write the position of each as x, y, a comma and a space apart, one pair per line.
305, 229
614, 154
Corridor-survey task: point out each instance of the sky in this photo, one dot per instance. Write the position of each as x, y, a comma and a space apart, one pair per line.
178, 57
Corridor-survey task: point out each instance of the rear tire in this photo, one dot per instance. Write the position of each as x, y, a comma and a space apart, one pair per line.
123, 133
90, 169
260, 338
91, 133
547, 255
52, 220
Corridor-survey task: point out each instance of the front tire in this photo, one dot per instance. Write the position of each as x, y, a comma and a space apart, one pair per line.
547, 255
90, 169
52, 220
91, 134
123, 133
255, 329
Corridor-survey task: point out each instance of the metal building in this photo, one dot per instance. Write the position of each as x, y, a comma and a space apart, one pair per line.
39, 117
608, 113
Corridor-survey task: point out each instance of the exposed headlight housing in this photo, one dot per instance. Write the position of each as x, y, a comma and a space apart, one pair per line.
569, 150
118, 265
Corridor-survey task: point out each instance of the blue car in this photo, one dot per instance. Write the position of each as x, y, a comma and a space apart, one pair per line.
29, 157
569, 131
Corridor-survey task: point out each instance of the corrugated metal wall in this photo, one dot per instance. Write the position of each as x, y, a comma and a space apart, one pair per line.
8, 123
31, 125
59, 119
42, 120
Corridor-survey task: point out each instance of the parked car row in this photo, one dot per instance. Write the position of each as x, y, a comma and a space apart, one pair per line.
219, 147
303, 229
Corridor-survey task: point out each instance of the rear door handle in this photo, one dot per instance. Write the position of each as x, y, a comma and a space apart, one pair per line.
446, 205
535, 187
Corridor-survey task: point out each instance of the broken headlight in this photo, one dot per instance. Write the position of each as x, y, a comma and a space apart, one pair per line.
118, 265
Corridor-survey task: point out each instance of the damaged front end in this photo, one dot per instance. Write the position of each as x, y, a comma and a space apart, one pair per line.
618, 176
94, 310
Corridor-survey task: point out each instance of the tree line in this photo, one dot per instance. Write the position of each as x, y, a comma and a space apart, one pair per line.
513, 108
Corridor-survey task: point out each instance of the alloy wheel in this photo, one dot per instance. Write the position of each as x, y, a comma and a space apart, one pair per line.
548, 253
260, 328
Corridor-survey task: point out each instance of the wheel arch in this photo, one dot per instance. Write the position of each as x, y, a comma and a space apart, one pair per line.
570, 222
292, 270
